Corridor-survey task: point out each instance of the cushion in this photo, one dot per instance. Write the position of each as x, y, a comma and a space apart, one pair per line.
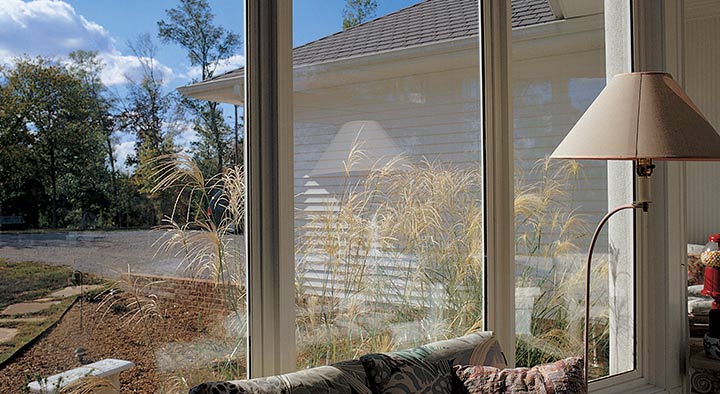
428, 367
696, 291
407, 372
560, 377
699, 306
342, 378
478, 348
695, 268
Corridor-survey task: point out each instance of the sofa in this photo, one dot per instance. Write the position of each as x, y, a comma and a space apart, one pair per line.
432, 368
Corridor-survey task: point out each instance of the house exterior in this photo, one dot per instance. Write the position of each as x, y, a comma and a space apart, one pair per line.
416, 72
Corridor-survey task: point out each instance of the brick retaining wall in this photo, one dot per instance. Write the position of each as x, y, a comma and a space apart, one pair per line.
194, 293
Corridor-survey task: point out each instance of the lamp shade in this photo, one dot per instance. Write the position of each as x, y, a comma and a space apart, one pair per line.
641, 115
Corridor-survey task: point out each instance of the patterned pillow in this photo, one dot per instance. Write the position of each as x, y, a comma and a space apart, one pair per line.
406, 372
561, 377
695, 268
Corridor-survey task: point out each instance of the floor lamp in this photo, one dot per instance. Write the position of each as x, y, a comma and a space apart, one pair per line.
642, 116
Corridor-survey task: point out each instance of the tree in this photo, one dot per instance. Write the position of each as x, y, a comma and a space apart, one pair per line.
147, 116
356, 12
147, 110
190, 25
211, 150
87, 66
51, 115
20, 187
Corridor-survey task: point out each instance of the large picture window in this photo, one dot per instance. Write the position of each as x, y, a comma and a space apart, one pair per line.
388, 176
368, 183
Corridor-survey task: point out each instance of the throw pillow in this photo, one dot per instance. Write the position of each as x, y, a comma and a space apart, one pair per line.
696, 269
405, 372
561, 377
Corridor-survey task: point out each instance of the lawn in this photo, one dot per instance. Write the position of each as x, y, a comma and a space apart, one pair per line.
27, 280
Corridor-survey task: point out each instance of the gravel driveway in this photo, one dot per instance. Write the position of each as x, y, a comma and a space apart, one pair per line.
106, 253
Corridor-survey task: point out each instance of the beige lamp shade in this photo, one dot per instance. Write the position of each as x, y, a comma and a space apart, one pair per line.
641, 115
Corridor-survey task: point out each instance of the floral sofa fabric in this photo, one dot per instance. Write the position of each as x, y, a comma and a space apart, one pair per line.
561, 377
428, 368
351, 377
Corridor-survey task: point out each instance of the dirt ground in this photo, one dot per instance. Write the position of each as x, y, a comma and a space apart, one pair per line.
104, 337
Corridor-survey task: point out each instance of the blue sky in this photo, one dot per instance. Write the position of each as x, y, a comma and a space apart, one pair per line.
57, 27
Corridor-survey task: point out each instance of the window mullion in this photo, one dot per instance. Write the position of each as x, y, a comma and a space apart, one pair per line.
268, 143
496, 113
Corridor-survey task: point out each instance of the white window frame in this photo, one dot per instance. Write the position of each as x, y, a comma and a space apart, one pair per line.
661, 338
269, 215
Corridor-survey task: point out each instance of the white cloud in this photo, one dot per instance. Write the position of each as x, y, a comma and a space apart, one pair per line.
184, 134
225, 65
53, 28
122, 151
119, 68
47, 28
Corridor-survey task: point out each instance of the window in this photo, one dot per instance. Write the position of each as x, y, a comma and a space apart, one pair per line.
557, 73
389, 221
379, 184
649, 340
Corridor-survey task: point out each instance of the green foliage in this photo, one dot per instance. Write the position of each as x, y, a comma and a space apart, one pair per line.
190, 25
212, 150
356, 12
58, 126
55, 124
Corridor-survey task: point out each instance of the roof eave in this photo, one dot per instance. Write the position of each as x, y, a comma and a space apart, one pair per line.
229, 89
226, 90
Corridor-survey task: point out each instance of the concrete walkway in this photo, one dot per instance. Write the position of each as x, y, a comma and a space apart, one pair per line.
16, 315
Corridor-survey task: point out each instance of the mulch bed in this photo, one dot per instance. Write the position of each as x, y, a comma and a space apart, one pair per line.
103, 337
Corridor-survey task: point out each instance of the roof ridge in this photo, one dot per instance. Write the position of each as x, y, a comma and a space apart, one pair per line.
362, 24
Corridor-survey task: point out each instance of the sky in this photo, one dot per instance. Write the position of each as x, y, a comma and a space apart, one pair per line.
58, 27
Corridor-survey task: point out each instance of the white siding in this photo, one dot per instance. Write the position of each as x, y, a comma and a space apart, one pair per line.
435, 116
702, 83
550, 94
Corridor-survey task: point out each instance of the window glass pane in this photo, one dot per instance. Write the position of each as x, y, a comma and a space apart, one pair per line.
121, 230
388, 178
556, 74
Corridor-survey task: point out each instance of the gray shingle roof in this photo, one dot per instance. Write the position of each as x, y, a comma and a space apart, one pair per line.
422, 23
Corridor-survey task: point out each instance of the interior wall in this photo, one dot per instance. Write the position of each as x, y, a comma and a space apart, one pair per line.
702, 83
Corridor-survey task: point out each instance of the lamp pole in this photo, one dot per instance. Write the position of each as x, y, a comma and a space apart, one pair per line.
635, 205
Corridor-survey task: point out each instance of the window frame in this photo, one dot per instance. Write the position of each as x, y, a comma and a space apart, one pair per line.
655, 35
268, 144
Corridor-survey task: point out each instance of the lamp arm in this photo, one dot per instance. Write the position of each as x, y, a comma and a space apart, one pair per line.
634, 205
